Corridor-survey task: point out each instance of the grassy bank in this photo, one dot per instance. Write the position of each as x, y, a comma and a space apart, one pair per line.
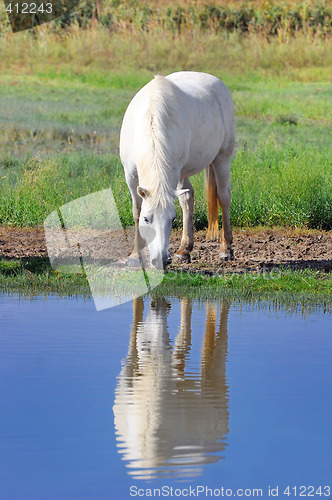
306, 288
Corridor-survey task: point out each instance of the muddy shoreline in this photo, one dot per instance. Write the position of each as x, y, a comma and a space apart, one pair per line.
255, 249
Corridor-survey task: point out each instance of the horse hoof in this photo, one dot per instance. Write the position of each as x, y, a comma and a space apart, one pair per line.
185, 258
134, 261
229, 255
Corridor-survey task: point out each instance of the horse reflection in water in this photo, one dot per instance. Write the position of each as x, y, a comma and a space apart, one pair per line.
169, 421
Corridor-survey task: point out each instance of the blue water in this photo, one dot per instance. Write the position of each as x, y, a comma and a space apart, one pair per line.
171, 394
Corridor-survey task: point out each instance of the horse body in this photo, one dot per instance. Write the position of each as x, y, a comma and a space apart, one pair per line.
175, 127
209, 107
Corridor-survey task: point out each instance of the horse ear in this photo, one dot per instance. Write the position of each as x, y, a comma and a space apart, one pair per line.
142, 192
181, 191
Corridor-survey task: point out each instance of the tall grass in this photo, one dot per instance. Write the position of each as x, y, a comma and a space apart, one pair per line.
96, 53
270, 19
284, 38
273, 184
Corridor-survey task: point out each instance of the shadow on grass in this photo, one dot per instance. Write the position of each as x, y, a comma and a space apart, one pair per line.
34, 275
35, 265
317, 265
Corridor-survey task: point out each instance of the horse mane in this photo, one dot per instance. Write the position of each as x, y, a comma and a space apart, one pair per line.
155, 167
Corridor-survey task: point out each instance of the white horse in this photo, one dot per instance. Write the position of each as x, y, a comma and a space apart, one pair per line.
175, 127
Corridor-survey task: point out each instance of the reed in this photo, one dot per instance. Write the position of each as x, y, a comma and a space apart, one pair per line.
268, 18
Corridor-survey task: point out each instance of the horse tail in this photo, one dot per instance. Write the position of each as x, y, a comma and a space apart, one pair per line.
212, 203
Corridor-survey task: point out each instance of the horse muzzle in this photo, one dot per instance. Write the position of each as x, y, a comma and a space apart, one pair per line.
161, 263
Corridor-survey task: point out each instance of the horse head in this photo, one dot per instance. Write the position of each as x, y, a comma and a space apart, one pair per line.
155, 226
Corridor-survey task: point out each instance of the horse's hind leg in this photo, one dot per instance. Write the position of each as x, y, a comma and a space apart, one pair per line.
221, 168
212, 203
187, 204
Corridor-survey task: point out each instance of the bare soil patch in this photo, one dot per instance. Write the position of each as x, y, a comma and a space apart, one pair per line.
255, 250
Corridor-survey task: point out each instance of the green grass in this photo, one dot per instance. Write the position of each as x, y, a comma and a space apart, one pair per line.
308, 288
35, 276
281, 172
273, 184
284, 286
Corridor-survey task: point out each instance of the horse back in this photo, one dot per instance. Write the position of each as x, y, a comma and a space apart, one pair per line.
186, 116
210, 116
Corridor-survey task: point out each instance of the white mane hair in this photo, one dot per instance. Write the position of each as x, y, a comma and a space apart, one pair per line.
155, 160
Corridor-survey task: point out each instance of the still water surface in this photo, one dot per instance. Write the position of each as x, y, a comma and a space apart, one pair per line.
172, 393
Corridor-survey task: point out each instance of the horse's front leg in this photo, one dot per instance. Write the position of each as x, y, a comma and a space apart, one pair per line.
187, 204
135, 258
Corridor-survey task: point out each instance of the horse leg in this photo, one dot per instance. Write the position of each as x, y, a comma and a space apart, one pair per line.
187, 204
135, 256
221, 167
212, 202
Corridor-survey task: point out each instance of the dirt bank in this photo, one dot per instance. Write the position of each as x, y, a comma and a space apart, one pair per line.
264, 249
255, 250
